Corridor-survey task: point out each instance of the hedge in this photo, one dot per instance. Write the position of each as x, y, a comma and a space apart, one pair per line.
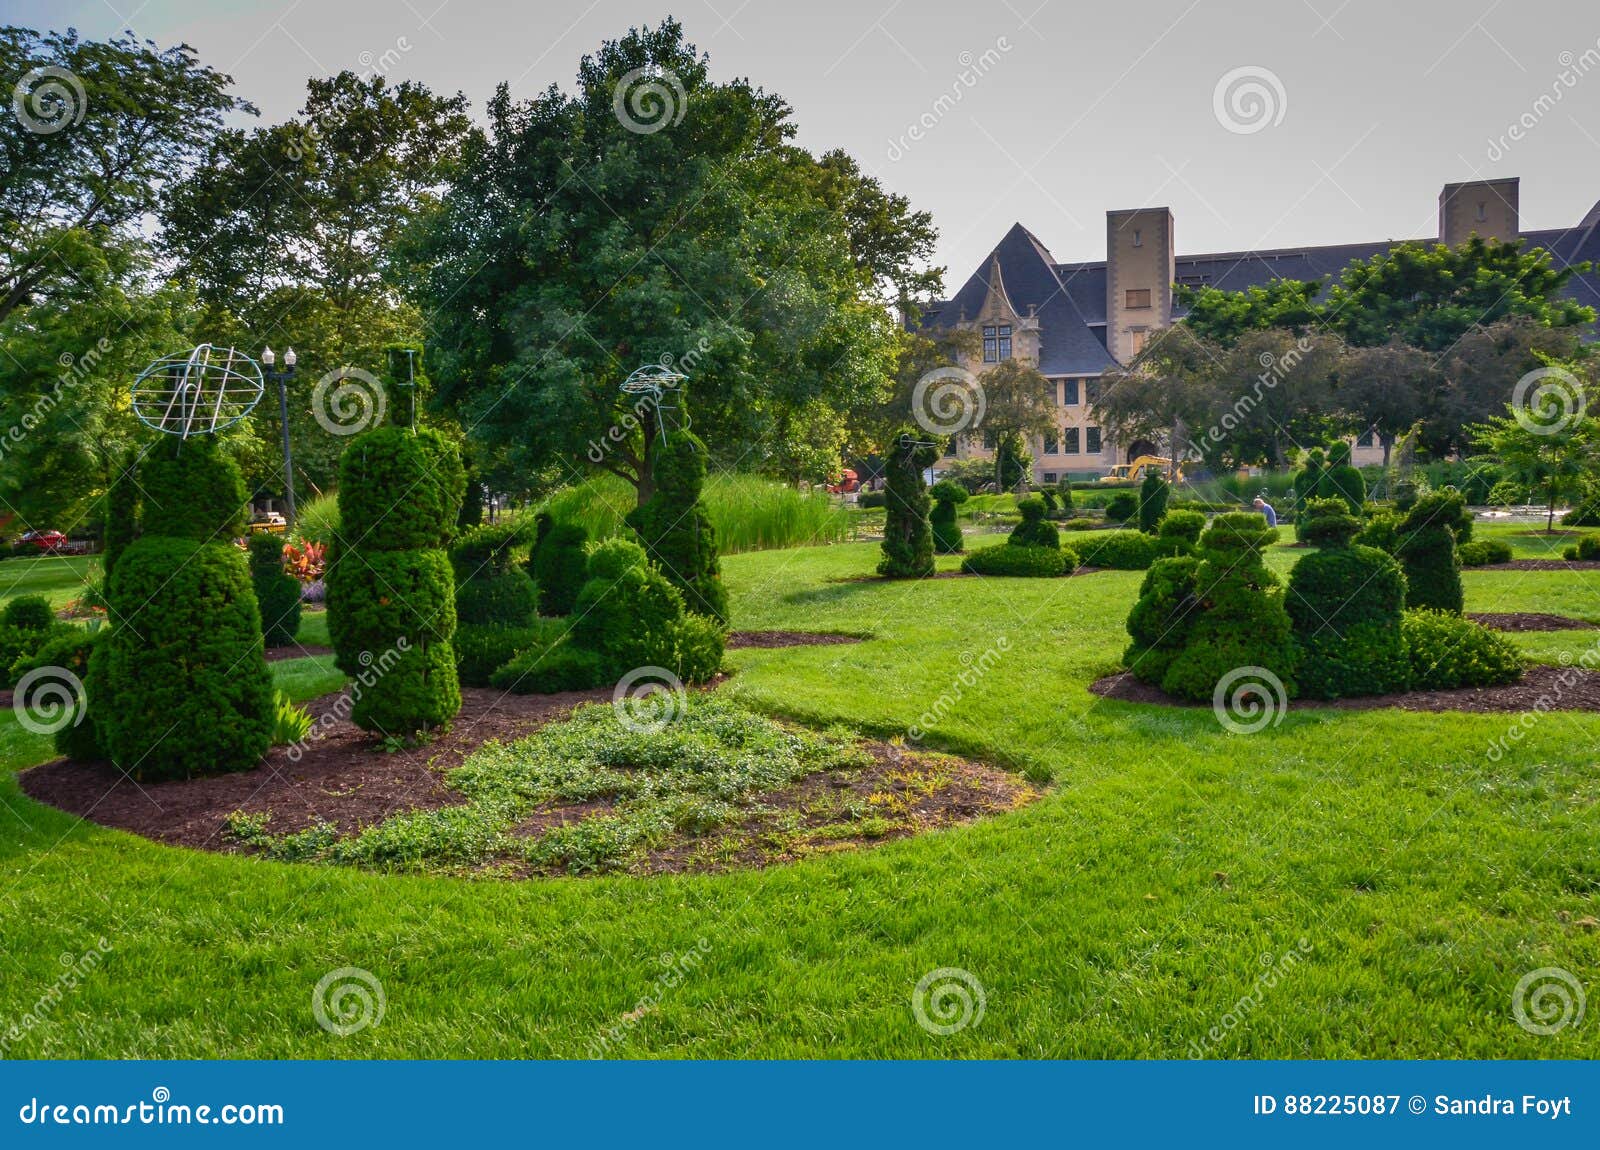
1448, 651
1121, 550
1481, 552
1025, 560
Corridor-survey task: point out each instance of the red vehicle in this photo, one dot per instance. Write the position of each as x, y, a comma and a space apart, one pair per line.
50, 542
849, 482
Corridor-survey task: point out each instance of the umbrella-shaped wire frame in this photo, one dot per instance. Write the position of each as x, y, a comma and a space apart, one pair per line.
198, 392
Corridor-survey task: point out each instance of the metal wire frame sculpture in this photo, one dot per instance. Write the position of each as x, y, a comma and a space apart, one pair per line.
653, 385
197, 392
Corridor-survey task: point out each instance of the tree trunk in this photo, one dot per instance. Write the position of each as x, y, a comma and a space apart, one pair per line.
1550, 517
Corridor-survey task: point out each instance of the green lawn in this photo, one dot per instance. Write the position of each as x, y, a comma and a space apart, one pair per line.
60, 578
1124, 915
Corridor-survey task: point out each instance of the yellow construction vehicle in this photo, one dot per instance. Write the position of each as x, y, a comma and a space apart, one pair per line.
1134, 472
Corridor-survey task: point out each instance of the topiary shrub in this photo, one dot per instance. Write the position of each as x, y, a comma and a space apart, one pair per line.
1481, 552
1153, 495
628, 616
1119, 550
1342, 481
1027, 560
1122, 506
122, 513
907, 538
492, 586
26, 624
1162, 618
73, 650
1586, 550
391, 590
557, 564
868, 500
1064, 494
277, 592
1179, 532
1034, 530
947, 497
1427, 550
1448, 651
483, 648
180, 687
28, 613
1345, 602
1241, 621
676, 532
1382, 531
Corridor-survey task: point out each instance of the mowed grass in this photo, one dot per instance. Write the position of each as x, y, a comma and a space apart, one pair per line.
1127, 914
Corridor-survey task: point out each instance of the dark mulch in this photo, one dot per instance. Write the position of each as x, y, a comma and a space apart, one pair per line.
1541, 686
296, 651
342, 777
1539, 565
740, 639
1528, 621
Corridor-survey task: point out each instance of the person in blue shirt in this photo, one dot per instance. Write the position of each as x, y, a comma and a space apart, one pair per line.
1265, 508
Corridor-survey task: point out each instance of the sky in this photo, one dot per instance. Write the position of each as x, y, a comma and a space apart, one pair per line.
1295, 122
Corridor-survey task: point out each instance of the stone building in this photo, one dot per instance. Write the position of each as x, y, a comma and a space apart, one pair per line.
1074, 321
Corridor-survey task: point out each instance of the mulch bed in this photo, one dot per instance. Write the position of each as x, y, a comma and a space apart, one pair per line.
1539, 565
1528, 621
1552, 688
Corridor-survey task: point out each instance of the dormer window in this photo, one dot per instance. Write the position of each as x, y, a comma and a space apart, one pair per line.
996, 342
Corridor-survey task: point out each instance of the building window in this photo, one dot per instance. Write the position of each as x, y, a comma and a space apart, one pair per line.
1069, 389
996, 342
1005, 341
1136, 339
989, 345
1050, 477
1367, 439
1482, 213
1138, 238
1093, 436
1091, 391
1136, 297
1069, 444
1050, 445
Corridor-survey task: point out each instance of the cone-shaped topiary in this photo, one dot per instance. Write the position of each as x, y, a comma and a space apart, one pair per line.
1427, 551
1034, 530
1346, 602
907, 538
1242, 622
1161, 620
391, 591
180, 687
1153, 495
557, 563
277, 592
675, 530
947, 497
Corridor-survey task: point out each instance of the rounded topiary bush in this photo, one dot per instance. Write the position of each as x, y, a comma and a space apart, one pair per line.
1034, 530
1161, 620
1028, 560
1345, 601
1179, 532
1342, 481
907, 537
28, 613
1481, 552
1122, 506
1427, 550
492, 586
390, 586
277, 592
1119, 550
947, 497
1586, 550
676, 531
186, 690
1448, 651
557, 564
1242, 621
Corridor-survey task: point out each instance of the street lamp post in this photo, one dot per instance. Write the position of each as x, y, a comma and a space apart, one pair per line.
282, 380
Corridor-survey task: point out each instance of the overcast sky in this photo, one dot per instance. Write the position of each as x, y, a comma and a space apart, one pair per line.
1341, 121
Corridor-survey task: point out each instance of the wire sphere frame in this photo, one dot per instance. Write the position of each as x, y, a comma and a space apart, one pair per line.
197, 392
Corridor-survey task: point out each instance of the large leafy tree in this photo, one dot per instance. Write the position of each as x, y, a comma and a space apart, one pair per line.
1018, 405
1223, 317
1387, 388
586, 235
1171, 385
1554, 451
89, 145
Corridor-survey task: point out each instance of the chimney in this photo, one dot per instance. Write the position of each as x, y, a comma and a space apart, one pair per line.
1488, 208
1140, 258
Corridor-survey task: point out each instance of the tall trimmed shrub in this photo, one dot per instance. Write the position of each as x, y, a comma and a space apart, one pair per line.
1153, 495
947, 496
676, 531
492, 585
180, 686
1427, 550
277, 592
1346, 602
1342, 481
907, 537
558, 563
391, 591
1161, 620
122, 513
